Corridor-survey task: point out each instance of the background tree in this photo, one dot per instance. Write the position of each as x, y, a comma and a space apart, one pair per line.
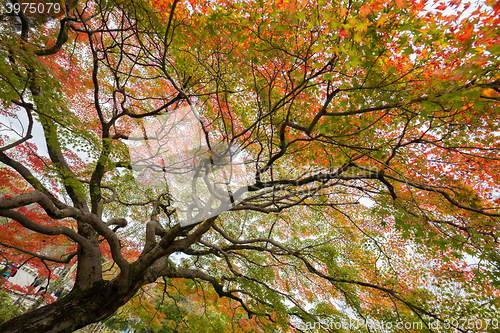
331, 104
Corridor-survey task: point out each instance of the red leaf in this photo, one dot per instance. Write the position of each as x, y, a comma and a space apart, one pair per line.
496, 7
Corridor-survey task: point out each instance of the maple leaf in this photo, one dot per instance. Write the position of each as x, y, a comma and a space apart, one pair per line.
496, 7
400, 3
465, 33
441, 6
364, 10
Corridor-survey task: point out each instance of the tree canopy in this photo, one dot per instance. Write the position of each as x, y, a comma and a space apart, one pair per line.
309, 163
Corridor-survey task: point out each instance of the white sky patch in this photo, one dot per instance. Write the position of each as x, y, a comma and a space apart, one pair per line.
367, 202
15, 128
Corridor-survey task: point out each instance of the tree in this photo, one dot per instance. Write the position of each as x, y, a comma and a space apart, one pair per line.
366, 181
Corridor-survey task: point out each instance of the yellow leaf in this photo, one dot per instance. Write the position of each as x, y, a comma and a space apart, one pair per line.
381, 20
488, 92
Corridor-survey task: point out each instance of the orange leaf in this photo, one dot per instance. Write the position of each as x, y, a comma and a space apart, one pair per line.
364, 10
400, 3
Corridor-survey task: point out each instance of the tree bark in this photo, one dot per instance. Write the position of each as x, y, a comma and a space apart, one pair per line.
74, 311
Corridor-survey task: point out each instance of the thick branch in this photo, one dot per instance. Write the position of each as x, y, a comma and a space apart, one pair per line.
70, 182
111, 238
61, 39
65, 260
40, 198
29, 224
28, 176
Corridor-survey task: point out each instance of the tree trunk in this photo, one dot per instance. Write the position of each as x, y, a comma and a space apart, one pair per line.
74, 311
